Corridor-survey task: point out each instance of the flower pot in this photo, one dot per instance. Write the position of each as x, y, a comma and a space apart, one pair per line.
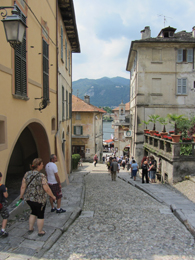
193, 138
152, 132
175, 138
163, 134
145, 131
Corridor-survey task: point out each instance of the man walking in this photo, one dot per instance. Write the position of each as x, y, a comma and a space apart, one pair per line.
114, 169
54, 183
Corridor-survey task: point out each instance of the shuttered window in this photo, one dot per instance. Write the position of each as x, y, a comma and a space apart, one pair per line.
20, 63
66, 54
70, 105
182, 86
185, 55
45, 70
66, 104
78, 130
62, 38
63, 112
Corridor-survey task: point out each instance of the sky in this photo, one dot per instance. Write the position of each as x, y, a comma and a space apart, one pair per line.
107, 27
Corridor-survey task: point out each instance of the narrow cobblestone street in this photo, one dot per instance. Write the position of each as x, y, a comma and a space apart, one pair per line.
121, 222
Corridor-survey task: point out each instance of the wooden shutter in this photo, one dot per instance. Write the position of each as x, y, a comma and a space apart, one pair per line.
74, 130
180, 55
70, 105
45, 70
20, 63
63, 114
81, 130
190, 55
66, 104
61, 43
184, 86
66, 53
179, 86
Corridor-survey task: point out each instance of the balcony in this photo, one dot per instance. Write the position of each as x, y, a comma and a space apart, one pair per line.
176, 160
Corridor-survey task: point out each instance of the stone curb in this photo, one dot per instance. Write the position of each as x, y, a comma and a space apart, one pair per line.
182, 218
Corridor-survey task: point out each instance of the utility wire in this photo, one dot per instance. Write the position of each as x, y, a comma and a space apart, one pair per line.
39, 22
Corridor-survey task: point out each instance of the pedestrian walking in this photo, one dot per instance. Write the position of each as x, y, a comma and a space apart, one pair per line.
152, 169
132, 158
134, 169
95, 159
114, 169
54, 183
35, 186
123, 163
144, 166
3, 208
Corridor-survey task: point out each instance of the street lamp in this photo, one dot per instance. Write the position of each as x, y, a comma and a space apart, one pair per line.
13, 25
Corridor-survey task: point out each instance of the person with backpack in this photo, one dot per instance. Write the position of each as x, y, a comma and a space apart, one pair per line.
152, 169
144, 166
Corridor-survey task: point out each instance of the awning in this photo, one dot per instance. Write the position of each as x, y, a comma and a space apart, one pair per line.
109, 141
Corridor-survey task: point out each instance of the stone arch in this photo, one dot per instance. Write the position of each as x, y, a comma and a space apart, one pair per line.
30, 142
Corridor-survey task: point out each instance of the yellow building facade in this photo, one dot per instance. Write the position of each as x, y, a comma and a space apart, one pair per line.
31, 103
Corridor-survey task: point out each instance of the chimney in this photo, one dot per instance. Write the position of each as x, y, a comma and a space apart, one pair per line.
87, 99
146, 33
193, 32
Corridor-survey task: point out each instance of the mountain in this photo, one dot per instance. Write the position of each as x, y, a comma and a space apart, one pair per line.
103, 92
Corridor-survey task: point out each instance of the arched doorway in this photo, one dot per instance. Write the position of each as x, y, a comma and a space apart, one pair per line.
32, 143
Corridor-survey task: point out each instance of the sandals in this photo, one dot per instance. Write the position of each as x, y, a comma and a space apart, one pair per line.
42, 233
30, 231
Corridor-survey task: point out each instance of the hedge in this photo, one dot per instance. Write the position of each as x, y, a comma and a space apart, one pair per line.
75, 160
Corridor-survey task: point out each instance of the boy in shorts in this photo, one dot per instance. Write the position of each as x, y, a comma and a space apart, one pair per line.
3, 208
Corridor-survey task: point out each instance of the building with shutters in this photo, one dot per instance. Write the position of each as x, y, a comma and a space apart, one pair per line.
36, 83
87, 129
162, 79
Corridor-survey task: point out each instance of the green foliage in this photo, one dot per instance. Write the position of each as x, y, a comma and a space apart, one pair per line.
175, 119
75, 159
154, 119
163, 121
186, 149
107, 109
145, 122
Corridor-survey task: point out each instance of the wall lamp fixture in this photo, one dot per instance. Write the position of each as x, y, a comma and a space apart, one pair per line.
13, 25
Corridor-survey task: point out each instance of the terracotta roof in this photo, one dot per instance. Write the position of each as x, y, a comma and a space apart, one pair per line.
127, 107
79, 105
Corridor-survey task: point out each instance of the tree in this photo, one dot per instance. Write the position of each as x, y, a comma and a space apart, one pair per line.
163, 121
175, 120
154, 119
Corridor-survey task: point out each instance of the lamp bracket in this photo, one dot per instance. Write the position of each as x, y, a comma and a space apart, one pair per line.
42, 104
4, 12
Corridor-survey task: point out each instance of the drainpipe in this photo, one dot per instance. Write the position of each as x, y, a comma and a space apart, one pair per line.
56, 73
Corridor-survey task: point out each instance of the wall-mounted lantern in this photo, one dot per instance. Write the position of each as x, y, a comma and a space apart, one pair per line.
13, 25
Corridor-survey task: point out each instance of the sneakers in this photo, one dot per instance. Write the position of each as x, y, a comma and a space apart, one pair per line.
3, 234
54, 209
60, 210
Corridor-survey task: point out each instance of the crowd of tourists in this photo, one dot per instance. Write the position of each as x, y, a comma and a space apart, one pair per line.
148, 167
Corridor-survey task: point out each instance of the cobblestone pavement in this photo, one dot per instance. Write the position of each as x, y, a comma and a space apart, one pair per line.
121, 222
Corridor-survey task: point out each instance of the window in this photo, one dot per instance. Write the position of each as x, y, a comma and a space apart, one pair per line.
78, 116
69, 62
45, 70
182, 86
63, 112
53, 125
78, 130
62, 43
3, 133
20, 63
70, 105
66, 104
87, 150
66, 54
185, 55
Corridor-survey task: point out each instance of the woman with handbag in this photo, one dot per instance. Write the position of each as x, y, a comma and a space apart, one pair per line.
36, 187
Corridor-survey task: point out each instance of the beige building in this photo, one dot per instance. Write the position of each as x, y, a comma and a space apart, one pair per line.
121, 129
87, 129
162, 79
31, 80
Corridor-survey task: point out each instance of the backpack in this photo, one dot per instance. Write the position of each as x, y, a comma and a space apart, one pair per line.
144, 166
154, 165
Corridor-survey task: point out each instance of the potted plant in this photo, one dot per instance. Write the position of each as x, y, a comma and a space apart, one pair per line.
163, 121
153, 119
146, 123
174, 119
193, 137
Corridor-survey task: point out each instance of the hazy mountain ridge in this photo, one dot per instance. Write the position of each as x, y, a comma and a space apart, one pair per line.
103, 92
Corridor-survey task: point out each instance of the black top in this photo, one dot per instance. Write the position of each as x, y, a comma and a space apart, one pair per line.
2, 190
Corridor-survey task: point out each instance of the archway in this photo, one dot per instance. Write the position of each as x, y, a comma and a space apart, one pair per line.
32, 143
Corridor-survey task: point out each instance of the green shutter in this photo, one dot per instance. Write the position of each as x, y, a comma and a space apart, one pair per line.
74, 130
70, 105
81, 130
45, 70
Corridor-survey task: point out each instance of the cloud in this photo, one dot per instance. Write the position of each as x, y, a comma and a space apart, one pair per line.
107, 27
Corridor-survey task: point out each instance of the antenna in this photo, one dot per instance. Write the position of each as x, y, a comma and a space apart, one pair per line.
165, 20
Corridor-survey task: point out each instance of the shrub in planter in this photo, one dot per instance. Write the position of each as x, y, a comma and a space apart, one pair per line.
75, 159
